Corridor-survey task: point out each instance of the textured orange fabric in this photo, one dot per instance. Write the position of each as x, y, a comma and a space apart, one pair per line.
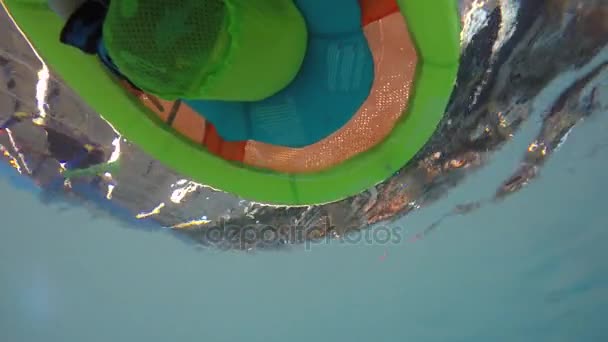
395, 65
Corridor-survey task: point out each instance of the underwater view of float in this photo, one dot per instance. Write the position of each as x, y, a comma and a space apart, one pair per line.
282, 102
309, 118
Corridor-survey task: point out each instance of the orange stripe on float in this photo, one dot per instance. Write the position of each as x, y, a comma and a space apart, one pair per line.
212, 140
189, 124
373, 10
228, 150
233, 150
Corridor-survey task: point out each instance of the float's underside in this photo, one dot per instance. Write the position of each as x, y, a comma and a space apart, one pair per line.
145, 190
434, 28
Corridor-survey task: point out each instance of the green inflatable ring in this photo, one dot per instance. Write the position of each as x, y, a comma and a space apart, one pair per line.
434, 27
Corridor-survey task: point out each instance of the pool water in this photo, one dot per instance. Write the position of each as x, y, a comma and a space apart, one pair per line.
531, 268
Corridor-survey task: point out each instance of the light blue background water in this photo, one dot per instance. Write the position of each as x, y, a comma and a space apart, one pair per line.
533, 268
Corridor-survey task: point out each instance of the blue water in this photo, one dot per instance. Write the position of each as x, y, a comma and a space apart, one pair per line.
532, 268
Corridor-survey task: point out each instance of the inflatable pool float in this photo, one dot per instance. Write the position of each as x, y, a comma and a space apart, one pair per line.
259, 133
